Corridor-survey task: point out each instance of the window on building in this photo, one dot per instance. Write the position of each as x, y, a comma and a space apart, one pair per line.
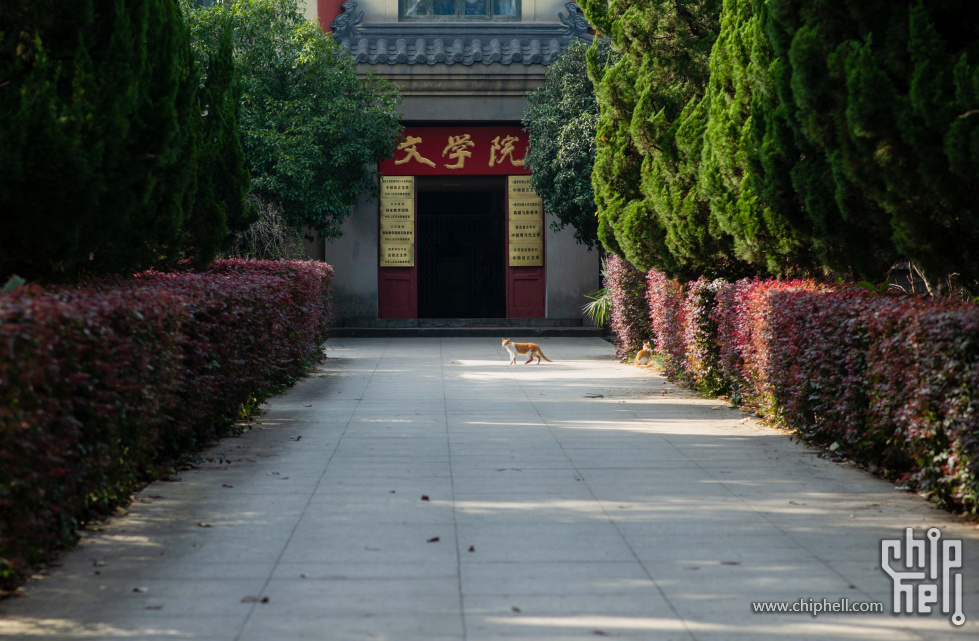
460, 9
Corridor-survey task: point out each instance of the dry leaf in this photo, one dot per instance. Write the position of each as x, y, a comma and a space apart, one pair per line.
472, 548
204, 525
434, 539
516, 609
425, 497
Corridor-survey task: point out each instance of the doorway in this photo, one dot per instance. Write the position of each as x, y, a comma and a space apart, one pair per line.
461, 244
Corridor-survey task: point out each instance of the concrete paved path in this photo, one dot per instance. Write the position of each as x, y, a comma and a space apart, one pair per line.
423, 489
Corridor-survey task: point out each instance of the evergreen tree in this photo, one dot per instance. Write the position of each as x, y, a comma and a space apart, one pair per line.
220, 209
881, 92
650, 134
746, 180
99, 136
312, 130
561, 119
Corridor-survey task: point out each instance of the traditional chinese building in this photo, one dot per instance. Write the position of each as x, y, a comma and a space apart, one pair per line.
458, 231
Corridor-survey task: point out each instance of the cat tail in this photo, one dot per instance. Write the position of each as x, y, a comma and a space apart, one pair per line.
545, 358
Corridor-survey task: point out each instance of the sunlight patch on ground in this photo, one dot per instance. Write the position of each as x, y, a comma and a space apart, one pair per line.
869, 627
34, 627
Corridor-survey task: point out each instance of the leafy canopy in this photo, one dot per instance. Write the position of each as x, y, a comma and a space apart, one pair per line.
312, 130
561, 118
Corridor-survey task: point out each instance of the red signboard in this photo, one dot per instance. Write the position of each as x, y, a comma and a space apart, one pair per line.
459, 151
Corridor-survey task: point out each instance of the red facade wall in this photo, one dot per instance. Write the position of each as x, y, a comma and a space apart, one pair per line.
327, 11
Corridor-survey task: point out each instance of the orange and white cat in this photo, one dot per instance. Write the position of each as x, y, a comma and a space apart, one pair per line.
642, 358
524, 348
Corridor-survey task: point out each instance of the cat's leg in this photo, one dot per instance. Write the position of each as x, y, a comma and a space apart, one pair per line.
530, 356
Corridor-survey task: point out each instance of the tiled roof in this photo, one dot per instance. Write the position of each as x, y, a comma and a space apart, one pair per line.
456, 43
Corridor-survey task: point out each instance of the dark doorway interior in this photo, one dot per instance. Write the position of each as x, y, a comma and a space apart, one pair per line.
461, 266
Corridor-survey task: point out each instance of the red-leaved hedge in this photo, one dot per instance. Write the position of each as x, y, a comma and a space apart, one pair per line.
629, 316
102, 383
894, 380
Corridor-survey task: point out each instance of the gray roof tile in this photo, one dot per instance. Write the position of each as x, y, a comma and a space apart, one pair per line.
456, 42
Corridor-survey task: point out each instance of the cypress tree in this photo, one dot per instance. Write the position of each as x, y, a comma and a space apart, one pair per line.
97, 136
220, 208
768, 226
651, 128
879, 92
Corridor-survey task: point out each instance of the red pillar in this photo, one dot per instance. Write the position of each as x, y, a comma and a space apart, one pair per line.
328, 10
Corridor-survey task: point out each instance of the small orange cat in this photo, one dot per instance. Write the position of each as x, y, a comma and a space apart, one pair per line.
523, 348
642, 358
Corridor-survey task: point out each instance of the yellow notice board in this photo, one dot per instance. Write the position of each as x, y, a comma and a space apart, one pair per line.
397, 186
526, 232
527, 255
519, 188
397, 218
397, 231
398, 255
525, 226
397, 209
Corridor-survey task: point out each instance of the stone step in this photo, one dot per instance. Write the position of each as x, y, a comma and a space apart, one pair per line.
518, 334
402, 323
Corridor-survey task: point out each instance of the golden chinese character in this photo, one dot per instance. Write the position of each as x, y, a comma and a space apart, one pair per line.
412, 152
457, 145
505, 148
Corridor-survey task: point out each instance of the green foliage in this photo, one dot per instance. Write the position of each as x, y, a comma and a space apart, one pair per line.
311, 129
650, 135
102, 143
600, 308
93, 168
880, 91
221, 210
561, 119
743, 178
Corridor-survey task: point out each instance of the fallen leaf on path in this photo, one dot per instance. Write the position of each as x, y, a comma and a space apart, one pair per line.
601, 633
472, 548
297, 438
730, 562
795, 503
516, 609
254, 599
434, 539
204, 525
141, 590
226, 485
120, 511
307, 405
425, 497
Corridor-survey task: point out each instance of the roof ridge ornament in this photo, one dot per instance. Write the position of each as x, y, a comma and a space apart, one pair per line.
576, 25
345, 25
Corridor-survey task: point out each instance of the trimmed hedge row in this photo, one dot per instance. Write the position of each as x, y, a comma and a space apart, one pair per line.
629, 320
102, 384
894, 380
